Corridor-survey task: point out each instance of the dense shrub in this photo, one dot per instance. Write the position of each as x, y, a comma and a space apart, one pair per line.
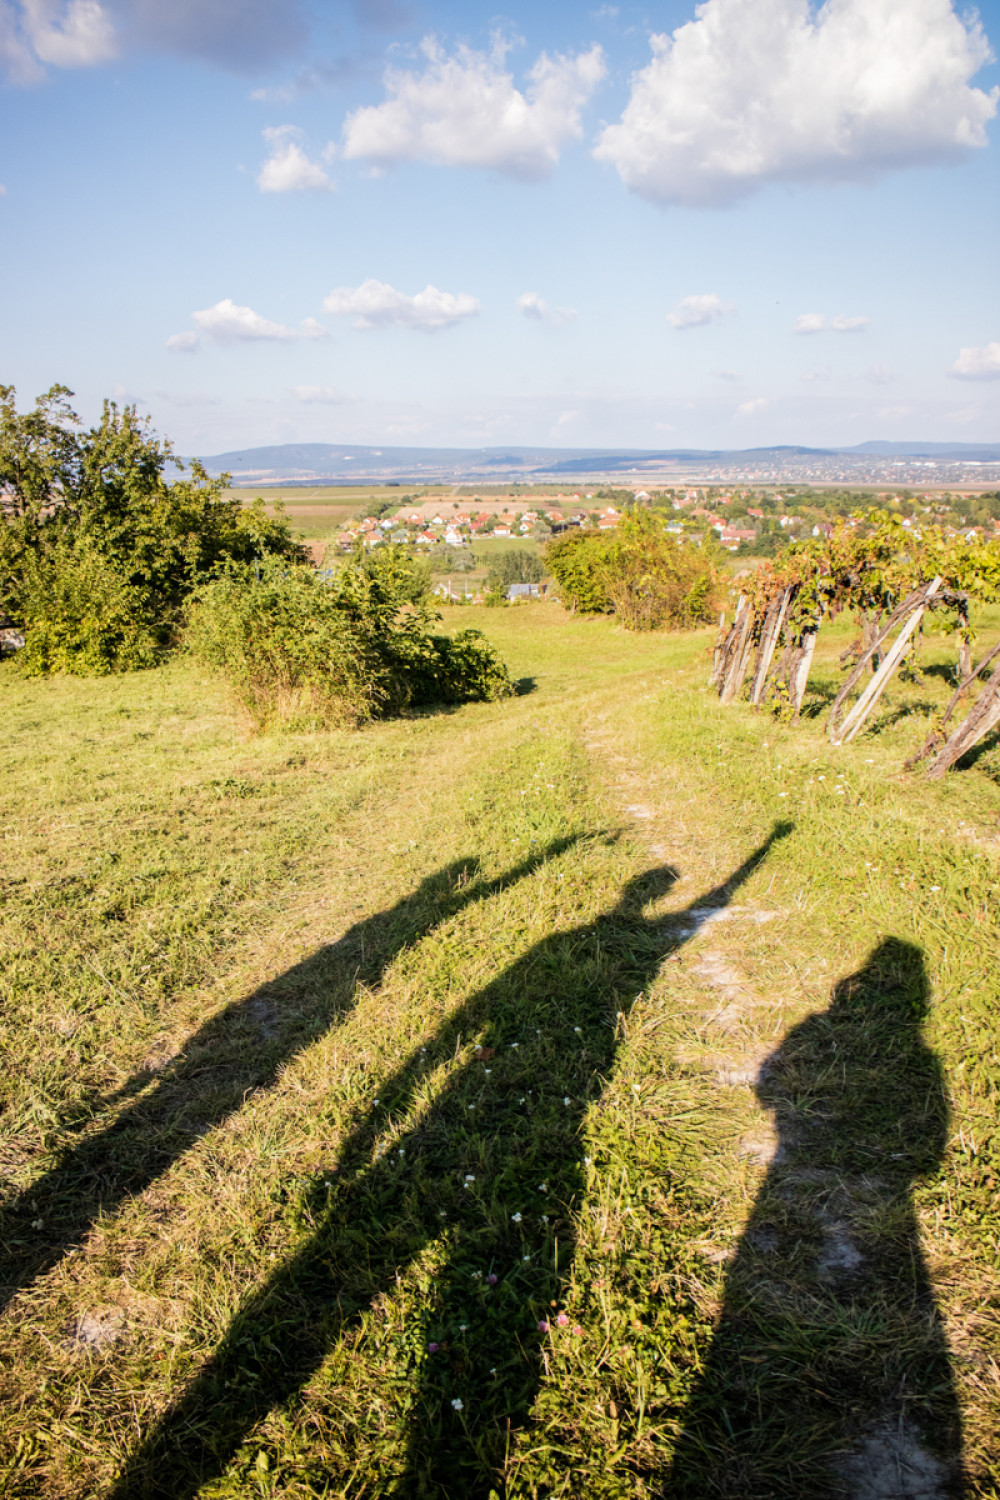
305, 650
576, 560
98, 548
649, 578
288, 651
654, 581
80, 614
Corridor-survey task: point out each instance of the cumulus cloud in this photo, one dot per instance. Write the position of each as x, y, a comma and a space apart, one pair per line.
318, 395
531, 305
61, 33
375, 304
810, 323
183, 343
816, 323
233, 34
748, 408
228, 323
978, 363
758, 91
464, 111
696, 311
288, 168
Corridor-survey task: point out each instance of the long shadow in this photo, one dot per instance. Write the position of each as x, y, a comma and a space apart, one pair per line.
488, 1174
238, 1051
829, 1371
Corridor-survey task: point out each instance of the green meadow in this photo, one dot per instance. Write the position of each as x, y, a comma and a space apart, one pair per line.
593, 1094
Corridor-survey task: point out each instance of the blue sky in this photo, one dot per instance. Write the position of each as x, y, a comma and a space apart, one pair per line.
723, 225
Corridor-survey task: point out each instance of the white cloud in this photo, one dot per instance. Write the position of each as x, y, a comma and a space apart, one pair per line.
816, 323
235, 34
565, 419
696, 311
748, 408
535, 307
464, 111
810, 323
757, 91
62, 33
288, 168
375, 304
318, 395
978, 363
228, 323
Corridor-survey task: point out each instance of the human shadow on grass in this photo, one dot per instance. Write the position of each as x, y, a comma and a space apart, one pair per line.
486, 1177
829, 1371
237, 1052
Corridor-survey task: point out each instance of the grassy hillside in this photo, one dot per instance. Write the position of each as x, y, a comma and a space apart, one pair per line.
589, 1095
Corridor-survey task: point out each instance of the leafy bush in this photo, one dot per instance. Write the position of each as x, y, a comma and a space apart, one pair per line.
655, 581
576, 560
461, 668
640, 571
305, 651
290, 653
98, 550
81, 615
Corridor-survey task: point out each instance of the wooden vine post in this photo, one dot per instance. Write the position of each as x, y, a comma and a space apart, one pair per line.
734, 654
798, 673
983, 716
770, 634
842, 728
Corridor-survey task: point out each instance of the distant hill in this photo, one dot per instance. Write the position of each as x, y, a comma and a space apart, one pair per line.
317, 463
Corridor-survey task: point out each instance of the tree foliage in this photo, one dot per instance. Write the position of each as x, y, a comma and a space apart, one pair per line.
649, 578
513, 565
576, 561
98, 548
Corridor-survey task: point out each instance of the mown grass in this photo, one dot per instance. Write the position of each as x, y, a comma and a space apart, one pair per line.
324, 1050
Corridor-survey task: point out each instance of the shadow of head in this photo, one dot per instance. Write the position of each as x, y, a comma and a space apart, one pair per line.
891, 988
643, 890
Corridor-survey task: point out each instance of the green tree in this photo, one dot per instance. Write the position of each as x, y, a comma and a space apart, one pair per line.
514, 565
576, 560
99, 546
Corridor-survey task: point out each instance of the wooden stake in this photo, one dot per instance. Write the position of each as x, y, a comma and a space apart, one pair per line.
740, 660
769, 637
799, 675
841, 733
983, 716
936, 737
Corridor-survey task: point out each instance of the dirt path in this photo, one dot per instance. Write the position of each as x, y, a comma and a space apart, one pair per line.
732, 1033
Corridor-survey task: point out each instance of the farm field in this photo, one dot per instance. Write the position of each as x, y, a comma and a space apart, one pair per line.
591, 1095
